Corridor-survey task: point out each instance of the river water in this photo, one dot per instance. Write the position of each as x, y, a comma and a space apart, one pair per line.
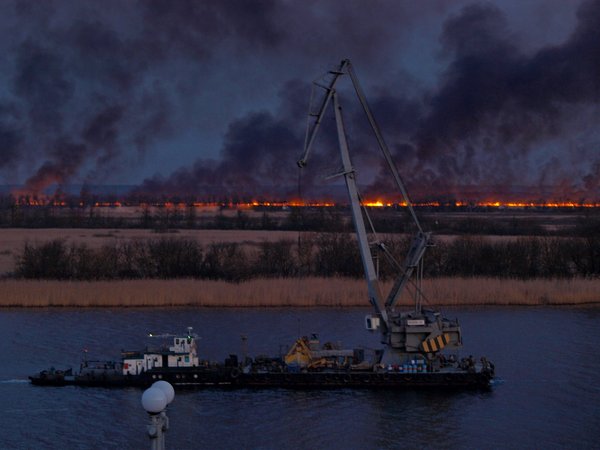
547, 359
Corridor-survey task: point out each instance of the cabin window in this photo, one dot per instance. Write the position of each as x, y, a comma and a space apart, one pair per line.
187, 359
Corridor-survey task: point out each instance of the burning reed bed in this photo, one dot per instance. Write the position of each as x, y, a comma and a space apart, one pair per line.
289, 292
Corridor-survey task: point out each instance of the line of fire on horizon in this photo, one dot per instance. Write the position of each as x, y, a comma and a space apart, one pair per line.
45, 202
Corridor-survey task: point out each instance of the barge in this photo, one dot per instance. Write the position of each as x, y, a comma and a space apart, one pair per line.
307, 365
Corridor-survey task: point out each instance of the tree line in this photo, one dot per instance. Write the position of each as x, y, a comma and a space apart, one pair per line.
315, 254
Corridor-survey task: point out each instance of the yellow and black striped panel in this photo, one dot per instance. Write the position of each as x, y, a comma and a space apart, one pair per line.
435, 344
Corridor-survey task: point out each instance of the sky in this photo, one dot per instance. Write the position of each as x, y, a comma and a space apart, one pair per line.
192, 97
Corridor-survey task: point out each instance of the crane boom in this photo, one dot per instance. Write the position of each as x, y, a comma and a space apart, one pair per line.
375, 295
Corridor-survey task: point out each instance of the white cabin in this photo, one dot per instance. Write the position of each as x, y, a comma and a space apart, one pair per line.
182, 353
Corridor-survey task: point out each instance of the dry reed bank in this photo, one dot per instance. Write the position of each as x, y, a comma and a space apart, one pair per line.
299, 292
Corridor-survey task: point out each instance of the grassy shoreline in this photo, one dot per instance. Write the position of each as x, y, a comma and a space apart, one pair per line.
292, 292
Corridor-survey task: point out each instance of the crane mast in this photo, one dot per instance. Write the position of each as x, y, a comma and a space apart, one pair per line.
349, 174
402, 333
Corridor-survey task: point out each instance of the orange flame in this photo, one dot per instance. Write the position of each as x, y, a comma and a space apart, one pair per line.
375, 203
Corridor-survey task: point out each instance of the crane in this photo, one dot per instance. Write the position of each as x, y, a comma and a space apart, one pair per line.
402, 333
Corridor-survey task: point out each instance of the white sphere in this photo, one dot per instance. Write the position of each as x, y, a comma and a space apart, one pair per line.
167, 389
154, 400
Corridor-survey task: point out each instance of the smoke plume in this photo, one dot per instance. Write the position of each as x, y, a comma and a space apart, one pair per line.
470, 105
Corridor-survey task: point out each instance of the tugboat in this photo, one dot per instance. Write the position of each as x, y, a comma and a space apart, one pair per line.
177, 363
419, 345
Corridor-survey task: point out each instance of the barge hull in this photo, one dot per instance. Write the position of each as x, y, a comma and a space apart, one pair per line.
286, 380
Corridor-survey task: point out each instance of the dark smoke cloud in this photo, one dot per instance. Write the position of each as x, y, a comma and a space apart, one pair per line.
592, 179
92, 88
41, 85
195, 28
255, 162
76, 89
65, 158
116, 78
258, 157
11, 137
495, 104
97, 76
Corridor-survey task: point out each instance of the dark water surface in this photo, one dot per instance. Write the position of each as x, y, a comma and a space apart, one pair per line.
548, 359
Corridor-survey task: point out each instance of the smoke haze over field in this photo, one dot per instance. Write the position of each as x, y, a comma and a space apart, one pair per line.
200, 98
